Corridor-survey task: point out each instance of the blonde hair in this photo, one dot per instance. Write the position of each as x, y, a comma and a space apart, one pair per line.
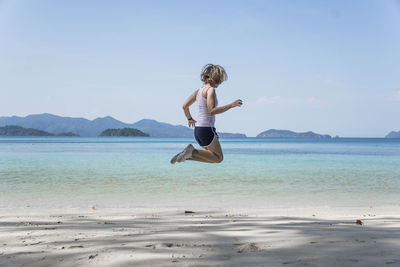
213, 75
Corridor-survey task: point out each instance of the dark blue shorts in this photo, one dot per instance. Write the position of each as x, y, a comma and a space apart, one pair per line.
204, 135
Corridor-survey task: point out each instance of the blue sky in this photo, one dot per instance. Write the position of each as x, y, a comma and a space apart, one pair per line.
332, 67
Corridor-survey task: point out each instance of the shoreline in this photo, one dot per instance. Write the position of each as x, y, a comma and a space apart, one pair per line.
322, 210
250, 205
318, 236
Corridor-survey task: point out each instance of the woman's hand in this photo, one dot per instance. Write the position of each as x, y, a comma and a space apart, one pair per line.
192, 123
237, 103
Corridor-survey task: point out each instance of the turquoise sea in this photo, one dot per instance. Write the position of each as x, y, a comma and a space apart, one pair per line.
135, 172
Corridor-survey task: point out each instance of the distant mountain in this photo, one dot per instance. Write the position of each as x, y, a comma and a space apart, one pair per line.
12, 130
123, 132
84, 127
393, 135
289, 134
52, 123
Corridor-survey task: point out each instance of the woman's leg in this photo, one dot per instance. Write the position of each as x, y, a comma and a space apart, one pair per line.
211, 153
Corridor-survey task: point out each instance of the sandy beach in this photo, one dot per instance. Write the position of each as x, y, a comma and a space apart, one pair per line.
170, 237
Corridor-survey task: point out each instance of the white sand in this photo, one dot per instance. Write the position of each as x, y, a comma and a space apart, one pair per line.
166, 237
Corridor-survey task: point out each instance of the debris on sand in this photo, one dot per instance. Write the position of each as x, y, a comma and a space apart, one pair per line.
359, 222
189, 211
80, 246
93, 256
248, 247
170, 245
26, 224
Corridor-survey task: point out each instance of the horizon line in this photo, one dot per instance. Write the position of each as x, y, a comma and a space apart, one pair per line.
46, 113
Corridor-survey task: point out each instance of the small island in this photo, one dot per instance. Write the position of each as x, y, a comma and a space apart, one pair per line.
393, 135
232, 135
123, 132
13, 130
67, 134
272, 133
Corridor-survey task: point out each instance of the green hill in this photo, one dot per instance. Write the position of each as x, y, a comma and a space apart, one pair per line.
289, 134
123, 132
12, 130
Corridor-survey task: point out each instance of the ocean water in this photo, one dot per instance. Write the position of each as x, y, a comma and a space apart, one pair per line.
135, 172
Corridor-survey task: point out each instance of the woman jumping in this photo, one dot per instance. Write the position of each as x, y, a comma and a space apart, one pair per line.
204, 129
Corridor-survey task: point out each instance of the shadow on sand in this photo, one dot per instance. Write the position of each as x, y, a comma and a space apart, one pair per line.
199, 239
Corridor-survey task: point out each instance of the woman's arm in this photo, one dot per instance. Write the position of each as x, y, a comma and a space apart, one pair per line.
186, 105
218, 110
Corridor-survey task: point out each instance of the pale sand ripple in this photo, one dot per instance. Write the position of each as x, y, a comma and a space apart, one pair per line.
199, 239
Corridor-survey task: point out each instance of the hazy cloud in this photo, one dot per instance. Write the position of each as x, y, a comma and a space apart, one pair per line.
396, 96
312, 99
48, 100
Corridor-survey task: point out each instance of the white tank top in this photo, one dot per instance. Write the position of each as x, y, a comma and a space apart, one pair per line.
205, 119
